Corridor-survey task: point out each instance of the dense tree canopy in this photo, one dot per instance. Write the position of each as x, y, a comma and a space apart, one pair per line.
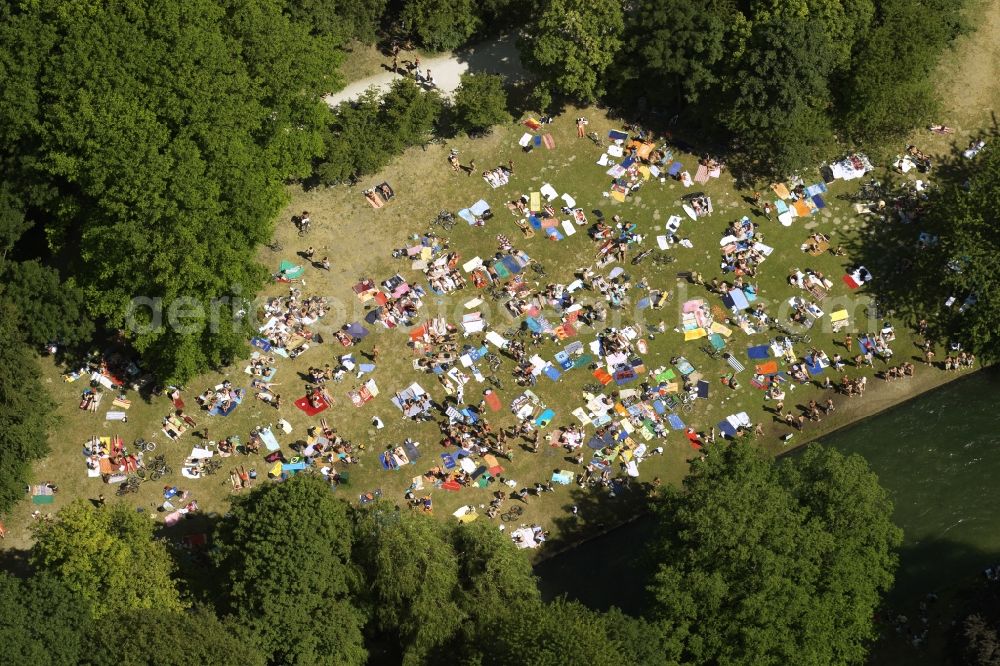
770, 564
774, 83
342, 20
440, 25
480, 102
571, 44
25, 407
413, 579
108, 557
51, 310
300, 525
154, 137
364, 135
42, 622
964, 264
166, 638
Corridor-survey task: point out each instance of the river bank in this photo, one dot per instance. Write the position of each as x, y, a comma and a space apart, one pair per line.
937, 455
878, 399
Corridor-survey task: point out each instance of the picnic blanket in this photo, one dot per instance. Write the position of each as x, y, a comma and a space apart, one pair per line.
734, 363
270, 441
290, 270
758, 352
235, 398
303, 404
768, 368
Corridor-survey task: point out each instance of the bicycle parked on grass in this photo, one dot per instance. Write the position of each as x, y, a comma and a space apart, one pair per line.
494, 361
790, 334
445, 220
210, 466
512, 514
144, 446
662, 259
158, 468
129, 485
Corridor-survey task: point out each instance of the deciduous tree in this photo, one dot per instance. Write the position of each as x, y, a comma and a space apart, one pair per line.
42, 622
107, 556
571, 44
413, 577
284, 553
440, 25
25, 407
480, 102
755, 559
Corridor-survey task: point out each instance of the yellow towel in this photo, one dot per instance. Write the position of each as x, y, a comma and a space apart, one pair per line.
694, 334
536, 201
721, 330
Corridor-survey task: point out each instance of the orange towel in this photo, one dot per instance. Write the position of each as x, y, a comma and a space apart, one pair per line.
602, 376
769, 368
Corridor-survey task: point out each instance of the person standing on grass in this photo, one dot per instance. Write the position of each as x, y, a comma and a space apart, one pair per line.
581, 127
848, 342
325, 264
472, 166
375, 352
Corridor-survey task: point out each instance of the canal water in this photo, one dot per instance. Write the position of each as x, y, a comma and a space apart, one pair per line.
939, 457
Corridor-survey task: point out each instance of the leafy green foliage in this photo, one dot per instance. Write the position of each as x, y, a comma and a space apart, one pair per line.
50, 310
165, 638
776, 79
440, 25
25, 408
684, 46
413, 578
364, 135
41, 622
340, 19
883, 102
12, 221
560, 632
158, 157
966, 261
284, 553
108, 557
776, 94
480, 102
571, 44
770, 565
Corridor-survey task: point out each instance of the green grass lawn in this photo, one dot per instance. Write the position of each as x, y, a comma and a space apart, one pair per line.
359, 241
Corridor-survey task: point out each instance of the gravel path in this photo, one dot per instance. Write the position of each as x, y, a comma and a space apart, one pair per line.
496, 56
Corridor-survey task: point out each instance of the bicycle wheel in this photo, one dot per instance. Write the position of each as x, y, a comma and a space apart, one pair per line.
141, 473
154, 476
687, 407
150, 446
